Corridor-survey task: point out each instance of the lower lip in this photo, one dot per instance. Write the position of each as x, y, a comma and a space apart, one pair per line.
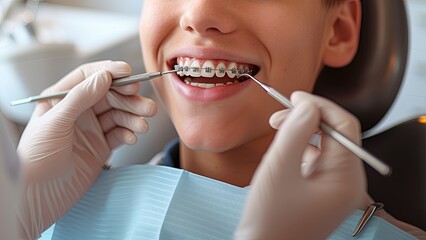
197, 94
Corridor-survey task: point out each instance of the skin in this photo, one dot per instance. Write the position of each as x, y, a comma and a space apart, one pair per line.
289, 40
224, 136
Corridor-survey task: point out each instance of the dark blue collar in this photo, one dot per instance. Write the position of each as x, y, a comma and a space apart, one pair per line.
171, 154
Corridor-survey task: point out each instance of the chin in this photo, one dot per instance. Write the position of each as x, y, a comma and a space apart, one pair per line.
210, 141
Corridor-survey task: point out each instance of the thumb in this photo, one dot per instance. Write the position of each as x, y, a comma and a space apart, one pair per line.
278, 118
84, 95
293, 136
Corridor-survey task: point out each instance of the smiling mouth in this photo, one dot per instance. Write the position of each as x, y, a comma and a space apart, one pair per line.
204, 73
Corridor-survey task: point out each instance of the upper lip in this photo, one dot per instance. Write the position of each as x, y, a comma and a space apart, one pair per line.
208, 53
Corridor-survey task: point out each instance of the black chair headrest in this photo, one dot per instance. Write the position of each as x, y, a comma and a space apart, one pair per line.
368, 86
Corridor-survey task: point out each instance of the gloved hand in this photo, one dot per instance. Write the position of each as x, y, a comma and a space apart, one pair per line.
66, 142
300, 191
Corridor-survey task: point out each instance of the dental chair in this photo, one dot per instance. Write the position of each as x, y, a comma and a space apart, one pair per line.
367, 88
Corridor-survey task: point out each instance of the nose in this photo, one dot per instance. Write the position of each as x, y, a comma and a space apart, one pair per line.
208, 17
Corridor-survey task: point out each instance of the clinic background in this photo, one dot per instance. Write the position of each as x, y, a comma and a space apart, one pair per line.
42, 41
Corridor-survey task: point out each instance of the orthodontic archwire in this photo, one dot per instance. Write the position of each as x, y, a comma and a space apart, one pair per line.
237, 71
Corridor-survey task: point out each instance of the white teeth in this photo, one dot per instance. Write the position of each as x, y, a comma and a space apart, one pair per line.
207, 70
195, 70
180, 63
245, 68
188, 80
192, 67
232, 72
186, 66
221, 70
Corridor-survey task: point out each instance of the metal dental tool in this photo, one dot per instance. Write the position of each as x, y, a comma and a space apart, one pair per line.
116, 82
360, 152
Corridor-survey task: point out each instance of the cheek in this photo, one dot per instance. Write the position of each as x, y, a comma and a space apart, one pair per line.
161, 90
292, 35
147, 44
295, 59
155, 25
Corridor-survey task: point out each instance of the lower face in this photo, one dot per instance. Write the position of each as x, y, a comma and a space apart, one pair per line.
212, 110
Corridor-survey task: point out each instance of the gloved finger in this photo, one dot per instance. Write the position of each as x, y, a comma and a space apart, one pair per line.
279, 172
116, 69
83, 96
292, 138
114, 118
278, 117
135, 104
333, 154
332, 114
128, 89
310, 160
311, 154
119, 136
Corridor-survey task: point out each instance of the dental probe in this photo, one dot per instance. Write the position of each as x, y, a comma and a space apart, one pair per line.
360, 152
116, 82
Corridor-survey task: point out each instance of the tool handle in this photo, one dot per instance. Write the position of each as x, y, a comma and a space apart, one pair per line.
360, 152
116, 82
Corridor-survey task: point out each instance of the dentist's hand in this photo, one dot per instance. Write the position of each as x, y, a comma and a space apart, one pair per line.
300, 191
67, 142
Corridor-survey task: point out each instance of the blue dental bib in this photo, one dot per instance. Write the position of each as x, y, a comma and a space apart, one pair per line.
157, 202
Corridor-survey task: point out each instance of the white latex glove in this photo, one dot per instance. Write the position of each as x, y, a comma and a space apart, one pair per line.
67, 142
288, 201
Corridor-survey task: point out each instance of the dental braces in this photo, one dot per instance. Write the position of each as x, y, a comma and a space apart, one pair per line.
210, 70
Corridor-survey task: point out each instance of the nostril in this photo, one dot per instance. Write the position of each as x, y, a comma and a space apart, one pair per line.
189, 29
205, 17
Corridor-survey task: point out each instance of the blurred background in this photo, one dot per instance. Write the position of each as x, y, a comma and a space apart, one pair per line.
41, 41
